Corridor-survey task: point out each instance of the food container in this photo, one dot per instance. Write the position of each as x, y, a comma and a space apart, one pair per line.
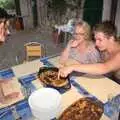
47, 79
83, 109
45, 103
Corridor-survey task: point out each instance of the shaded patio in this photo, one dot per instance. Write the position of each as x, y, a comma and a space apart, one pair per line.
13, 52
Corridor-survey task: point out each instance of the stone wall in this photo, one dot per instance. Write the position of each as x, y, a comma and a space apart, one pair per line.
47, 19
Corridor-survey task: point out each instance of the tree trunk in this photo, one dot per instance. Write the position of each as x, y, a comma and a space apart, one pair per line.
42, 12
17, 4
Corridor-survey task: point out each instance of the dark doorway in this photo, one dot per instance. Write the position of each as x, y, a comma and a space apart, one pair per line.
93, 11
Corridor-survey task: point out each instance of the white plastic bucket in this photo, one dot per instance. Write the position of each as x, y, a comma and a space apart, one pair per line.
45, 103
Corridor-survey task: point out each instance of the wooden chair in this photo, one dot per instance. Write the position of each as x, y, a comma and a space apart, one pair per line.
34, 49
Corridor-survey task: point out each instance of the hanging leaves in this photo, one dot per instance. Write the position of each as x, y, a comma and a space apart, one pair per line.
7, 4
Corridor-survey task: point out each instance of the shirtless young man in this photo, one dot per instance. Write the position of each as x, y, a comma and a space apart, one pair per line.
109, 45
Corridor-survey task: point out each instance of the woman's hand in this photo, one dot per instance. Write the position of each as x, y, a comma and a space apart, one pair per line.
73, 43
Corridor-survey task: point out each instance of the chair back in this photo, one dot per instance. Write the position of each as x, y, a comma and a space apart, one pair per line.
34, 49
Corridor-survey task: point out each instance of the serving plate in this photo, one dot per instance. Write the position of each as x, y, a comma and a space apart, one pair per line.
83, 109
49, 77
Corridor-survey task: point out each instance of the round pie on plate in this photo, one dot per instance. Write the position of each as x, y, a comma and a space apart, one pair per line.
49, 76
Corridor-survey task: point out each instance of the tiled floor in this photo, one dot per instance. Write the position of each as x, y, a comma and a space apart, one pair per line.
12, 52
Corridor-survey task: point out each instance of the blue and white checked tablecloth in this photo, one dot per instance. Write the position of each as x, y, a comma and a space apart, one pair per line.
6, 74
22, 107
107, 106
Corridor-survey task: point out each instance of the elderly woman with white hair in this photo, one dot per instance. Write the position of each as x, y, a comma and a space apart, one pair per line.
81, 48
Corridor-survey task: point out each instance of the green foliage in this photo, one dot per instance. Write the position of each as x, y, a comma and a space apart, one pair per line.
7, 4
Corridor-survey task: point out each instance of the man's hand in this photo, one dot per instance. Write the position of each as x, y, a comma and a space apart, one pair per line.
64, 71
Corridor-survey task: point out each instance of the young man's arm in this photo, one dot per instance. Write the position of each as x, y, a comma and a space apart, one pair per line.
99, 68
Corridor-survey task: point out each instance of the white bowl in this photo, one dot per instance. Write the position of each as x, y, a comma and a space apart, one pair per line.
45, 103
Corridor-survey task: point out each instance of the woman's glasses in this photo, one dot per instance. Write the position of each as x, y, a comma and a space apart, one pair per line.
81, 34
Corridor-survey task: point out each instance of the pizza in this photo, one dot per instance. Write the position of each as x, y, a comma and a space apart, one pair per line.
49, 76
83, 109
